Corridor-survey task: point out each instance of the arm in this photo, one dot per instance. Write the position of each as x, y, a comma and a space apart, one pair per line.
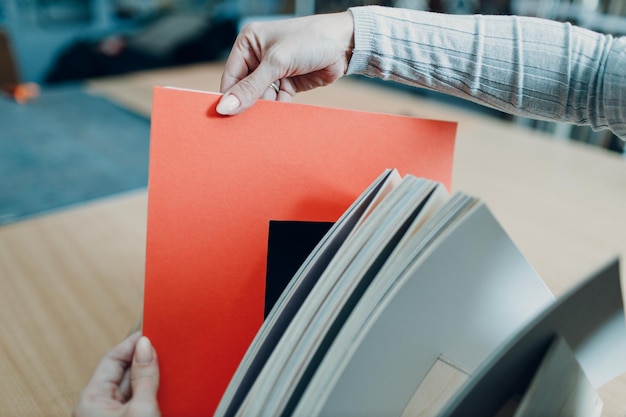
294, 54
124, 384
524, 66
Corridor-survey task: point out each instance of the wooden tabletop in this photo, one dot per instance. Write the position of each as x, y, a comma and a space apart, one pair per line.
71, 282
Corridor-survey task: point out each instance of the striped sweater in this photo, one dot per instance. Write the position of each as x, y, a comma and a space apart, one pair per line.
521, 65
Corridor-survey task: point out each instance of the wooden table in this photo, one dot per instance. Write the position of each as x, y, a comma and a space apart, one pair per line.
71, 281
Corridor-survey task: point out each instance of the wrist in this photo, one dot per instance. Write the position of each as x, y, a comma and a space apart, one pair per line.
341, 30
347, 35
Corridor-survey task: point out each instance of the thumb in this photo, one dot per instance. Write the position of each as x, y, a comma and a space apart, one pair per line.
247, 91
144, 375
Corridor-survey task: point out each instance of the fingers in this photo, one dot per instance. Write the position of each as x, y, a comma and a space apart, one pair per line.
131, 365
240, 62
272, 92
110, 370
243, 94
245, 59
269, 94
263, 54
304, 53
144, 379
104, 384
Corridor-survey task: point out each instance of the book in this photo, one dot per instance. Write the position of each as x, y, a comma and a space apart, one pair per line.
559, 387
381, 283
215, 185
423, 278
418, 277
589, 319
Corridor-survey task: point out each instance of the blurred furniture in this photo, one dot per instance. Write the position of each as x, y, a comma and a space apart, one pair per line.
42, 29
9, 73
172, 39
66, 147
606, 16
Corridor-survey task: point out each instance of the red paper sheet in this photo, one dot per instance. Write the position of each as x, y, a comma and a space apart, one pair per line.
214, 184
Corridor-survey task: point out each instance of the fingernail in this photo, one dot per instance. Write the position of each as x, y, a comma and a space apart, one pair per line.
228, 105
143, 350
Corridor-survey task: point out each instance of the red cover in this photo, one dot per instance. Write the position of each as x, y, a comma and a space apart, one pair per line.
215, 182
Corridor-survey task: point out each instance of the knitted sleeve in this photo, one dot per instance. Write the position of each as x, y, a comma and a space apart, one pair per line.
521, 65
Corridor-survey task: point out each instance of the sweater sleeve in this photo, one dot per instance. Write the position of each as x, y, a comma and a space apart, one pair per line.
521, 65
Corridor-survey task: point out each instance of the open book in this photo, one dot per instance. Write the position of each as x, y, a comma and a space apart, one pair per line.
403, 285
409, 277
574, 346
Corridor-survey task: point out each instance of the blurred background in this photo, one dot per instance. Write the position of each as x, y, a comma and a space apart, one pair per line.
60, 40
68, 146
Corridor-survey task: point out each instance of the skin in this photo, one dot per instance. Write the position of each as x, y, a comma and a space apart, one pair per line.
124, 384
296, 54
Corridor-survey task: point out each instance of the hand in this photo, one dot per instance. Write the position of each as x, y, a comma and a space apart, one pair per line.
296, 54
124, 384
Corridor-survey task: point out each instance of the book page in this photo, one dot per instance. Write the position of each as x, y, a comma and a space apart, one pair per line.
462, 297
560, 387
438, 386
589, 318
333, 292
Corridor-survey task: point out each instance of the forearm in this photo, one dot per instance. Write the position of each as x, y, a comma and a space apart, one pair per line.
520, 65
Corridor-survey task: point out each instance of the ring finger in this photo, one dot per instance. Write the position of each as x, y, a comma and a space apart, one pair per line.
272, 91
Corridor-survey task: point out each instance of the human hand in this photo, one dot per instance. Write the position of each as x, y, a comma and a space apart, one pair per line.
124, 384
296, 54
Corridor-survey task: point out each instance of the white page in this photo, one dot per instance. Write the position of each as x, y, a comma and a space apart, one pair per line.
276, 380
464, 297
560, 387
298, 288
590, 318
